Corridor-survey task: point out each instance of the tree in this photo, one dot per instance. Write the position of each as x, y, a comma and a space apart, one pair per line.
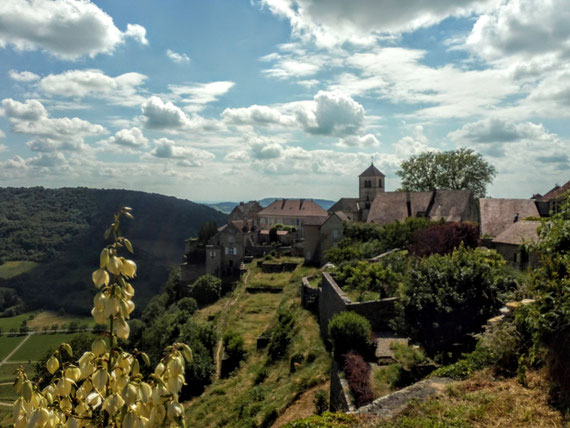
454, 169
206, 290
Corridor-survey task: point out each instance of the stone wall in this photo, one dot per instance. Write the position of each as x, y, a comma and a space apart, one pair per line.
340, 398
332, 300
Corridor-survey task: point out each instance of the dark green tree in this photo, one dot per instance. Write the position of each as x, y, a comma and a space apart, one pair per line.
455, 169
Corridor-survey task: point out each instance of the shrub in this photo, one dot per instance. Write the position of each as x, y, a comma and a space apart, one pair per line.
281, 334
206, 290
358, 376
234, 347
448, 298
349, 331
187, 304
321, 401
443, 238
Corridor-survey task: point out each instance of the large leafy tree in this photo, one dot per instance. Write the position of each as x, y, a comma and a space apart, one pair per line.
455, 169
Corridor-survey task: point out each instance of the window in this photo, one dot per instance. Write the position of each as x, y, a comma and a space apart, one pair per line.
212, 254
335, 233
379, 182
367, 205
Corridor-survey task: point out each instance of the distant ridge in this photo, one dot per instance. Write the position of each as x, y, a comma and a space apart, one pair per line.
63, 230
227, 207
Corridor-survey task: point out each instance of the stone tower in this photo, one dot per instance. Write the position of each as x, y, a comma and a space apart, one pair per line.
370, 183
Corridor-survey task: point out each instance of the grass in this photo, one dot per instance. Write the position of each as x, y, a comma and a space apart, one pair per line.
38, 320
482, 401
7, 371
38, 344
357, 296
8, 393
238, 400
11, 269
7, 344
48, 318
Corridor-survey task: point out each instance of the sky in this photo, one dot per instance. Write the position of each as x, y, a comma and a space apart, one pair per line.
245, 99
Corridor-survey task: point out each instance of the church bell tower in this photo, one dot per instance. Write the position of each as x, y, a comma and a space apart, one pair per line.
370, 183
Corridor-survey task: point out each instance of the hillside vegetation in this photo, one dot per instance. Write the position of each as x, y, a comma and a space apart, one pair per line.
61, 229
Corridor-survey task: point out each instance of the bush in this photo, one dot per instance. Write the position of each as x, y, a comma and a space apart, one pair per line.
321, 401
443, 238
349, 331
234, 347
448, 298
187, 304
358, 376
206, 290
281, 335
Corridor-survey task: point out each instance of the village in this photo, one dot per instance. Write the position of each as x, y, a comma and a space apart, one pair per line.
302, 228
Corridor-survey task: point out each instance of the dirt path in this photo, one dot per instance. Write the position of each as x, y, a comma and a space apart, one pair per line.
223, 322
301, 408
15, 349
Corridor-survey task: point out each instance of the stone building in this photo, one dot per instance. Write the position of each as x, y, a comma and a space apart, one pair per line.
227, 248
510, 243
370, 185
290, 212
498, 214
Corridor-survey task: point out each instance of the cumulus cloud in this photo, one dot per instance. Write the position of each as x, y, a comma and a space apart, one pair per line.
237, 156
51, 145
132, 138
121, 90
68, 29
329, 113
368, 140
161, 115
32, 118
23, 76
414, 144
512, 140
513, 28
198, 95
177, 57
187, 156
334, 22
264, 148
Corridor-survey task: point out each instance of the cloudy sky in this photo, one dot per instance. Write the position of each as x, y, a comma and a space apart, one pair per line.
243, 99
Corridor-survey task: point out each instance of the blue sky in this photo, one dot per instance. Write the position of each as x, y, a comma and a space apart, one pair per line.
235, 99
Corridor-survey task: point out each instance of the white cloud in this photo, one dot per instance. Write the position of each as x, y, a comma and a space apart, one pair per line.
196, 96
121, 90
3, 148
176, 57
2, 134
237, 156
329, 23
522, 28
161, 115
23, 76
414, 144
188, 156
67, 29
329, 113
368, 140
126, 139
31, 117
45, 145
264, 148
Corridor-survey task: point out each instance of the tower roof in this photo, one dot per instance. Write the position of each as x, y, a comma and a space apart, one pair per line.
372, 171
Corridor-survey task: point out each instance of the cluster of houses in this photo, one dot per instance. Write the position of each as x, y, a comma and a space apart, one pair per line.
308, 230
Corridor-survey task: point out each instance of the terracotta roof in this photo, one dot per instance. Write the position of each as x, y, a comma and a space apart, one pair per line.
557, 192
371, 171
293, 208
519, 233
498, 214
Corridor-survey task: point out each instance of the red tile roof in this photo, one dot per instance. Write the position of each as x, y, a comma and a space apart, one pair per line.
557, 192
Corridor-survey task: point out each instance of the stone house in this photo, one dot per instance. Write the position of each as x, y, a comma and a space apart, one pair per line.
226, 249
510, 243
290, 212
550, 202
321, 237
245, 211
498, 214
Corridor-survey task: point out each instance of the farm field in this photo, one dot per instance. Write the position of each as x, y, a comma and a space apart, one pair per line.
11, 269
37, 345
38, 320
8, 343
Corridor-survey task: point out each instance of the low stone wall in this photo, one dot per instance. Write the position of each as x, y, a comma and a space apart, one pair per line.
272, 267
340, 398
262, 250
309, 296
332, 300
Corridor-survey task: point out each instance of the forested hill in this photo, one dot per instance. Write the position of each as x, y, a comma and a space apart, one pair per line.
63, 230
